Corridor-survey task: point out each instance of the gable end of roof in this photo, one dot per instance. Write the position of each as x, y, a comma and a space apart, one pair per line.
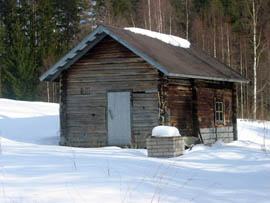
87, 44
170, 60
72, 56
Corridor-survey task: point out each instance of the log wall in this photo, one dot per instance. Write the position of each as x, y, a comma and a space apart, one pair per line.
109, 66
191, 105
207, 95
180, 106
156, 99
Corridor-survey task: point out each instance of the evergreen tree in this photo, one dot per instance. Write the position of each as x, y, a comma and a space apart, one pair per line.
34, 32
2, 51
20, 75
2, 39
67, 20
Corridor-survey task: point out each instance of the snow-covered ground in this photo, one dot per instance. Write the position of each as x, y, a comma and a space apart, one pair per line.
34, 169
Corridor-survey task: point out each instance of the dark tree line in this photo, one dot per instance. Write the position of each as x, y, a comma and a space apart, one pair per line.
35, 33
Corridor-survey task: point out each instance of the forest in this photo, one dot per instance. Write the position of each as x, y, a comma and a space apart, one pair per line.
34, 34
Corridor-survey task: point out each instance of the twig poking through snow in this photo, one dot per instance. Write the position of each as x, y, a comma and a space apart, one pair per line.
74, 160
108, 168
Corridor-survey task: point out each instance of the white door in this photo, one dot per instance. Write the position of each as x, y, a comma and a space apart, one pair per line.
119, 124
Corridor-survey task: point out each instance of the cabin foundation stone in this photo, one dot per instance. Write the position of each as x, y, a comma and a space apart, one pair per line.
211, 135
165, 147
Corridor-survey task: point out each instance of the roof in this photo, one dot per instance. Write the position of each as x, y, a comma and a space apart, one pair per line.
171, 60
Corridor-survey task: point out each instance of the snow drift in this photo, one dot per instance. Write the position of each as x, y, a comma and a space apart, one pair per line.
33, 172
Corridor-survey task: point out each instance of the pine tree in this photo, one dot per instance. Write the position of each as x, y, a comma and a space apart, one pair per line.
2, 51
19, 68
20, 74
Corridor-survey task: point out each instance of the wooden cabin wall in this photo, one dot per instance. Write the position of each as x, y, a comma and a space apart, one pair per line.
108, 66
191, 104
179, 99
208, 94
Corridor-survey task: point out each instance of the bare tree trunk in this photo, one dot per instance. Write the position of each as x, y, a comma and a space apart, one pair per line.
254, 28
215, 46
170, 24
203, 37
149, 14
145, 20
108, 13
247, 89
48, 91
241, 85
222, 43
262, 105
53, 92
160, 17
228, 46
187, 19
156, 19
132, 20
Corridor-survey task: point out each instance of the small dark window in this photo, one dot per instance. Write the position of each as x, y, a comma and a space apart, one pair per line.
219, 115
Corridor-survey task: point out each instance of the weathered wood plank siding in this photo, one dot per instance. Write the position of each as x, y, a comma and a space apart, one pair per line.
191, 104
63, 108
188, 104
180, 105
207, 95
109, 66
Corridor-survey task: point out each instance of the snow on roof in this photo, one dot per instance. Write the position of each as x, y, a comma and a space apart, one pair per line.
169, 39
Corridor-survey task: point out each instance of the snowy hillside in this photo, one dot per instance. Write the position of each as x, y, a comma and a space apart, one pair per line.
34, 169
31, 122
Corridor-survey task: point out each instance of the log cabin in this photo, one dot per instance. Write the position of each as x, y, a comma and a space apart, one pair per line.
117, 84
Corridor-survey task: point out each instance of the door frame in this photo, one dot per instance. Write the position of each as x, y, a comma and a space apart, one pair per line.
131, 113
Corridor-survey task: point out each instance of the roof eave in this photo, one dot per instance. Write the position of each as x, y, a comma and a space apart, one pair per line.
98, 34
208, 78
72, 56
66, 61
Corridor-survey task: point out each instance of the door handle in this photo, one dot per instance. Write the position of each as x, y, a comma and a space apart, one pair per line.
110, 114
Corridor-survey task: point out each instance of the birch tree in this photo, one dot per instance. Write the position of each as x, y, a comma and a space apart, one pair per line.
253, 10
254, 17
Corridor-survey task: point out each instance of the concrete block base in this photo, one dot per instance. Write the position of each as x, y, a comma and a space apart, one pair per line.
165, 147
